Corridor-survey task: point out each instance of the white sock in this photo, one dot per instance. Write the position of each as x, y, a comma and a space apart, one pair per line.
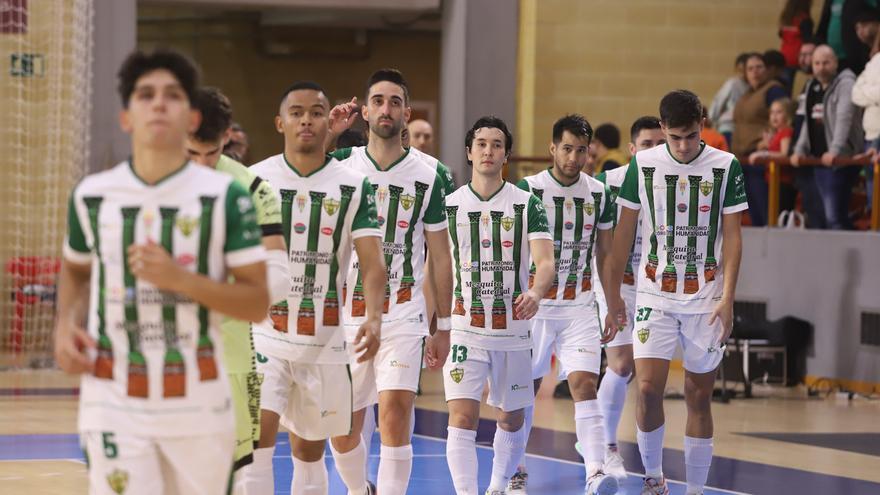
258, 478
395, 466
529, 415
369, 429
461, 455
309, 478
351, 468
651, 449
588, 426
612, 395
509, 447
697, 459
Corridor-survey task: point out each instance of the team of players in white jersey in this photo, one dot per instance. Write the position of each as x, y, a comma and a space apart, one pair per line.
389, 269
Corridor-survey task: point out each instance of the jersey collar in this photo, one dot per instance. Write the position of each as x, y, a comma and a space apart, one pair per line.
550, 173
395, 162
327, 159
475, 193
702, 147
168, 177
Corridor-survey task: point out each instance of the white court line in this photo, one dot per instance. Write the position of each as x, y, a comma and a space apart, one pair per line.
566, 461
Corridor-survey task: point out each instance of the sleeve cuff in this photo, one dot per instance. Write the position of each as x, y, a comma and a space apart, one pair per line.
75, 256
734, 209
540, 235
605, 226
246, 256
367, 232
628, 204
437, 227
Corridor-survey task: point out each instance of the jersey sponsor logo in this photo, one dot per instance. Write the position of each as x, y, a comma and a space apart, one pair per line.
407, 200
661, 230
118, 480
486, 243
569, 225
185, 259
331, 206
456, 374
706, 187
186, 225
244, 204
588, 226
403, 224
397, 364
643, 334
507, 223
327, 412
682, 207
299, 228
507, 244
705, 208
515, 387
327, 231
381, 220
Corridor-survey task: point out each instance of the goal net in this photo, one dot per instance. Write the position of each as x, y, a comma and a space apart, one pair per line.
46, 49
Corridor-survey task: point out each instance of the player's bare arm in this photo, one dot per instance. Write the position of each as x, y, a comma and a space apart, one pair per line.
526, 305
440, 260
341, 117
246, 297
615, 263
373, 274
604, 241
731, 251
71, 339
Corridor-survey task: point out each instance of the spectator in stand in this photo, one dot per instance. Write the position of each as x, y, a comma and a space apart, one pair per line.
866, 94
776, 145
837, 28
606, 141
775, 62
795, 26
804, 179
421, 135
832, 129
721, 110
750, 117
237, 147
710, 136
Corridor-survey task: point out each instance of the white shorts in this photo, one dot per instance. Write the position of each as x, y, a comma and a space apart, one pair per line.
134, 465
575, 343
396, 366
508, 372
625, 335
313, 400
657, 333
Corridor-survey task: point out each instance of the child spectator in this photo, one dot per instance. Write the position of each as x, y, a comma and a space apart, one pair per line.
776, 144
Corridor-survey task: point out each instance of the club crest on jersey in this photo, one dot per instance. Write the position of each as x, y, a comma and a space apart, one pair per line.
118, 480
588, 208
484, 219
186, 225
643, 334
331, 206
682, 186
568, 206
382, 194
407, 200
148, 218
507, 223
706, 187
456, 374
301, 202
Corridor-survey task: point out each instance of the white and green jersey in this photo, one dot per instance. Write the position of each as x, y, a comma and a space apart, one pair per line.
443, 170
614, 179
490, 249
409, 201
575, 214
322, 214
684, 207
158, 368
237, 338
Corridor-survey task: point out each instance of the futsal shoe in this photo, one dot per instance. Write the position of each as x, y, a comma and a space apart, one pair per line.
655, 487
614, 464
601, 484
517, 483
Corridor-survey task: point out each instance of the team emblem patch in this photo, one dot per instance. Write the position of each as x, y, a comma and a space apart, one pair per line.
643, 334
456, 374
706, 187
186, 225
381, 194
407, 201
331, 206
118, 481
301, 202
682, 186
568, 206
588, 208
507, 223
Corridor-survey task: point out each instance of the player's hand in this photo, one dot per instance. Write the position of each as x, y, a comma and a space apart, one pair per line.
437, 349
795, 160
71, 348
152, 263
526, 305
615, 320
342, 116
724, 311
366, 343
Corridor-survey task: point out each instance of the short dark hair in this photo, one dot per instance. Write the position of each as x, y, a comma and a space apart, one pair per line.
609, 135
576, 124
139, 63
680, 108
866, 15
299, 85
742, 58
646, 122
216, 114
774, 58
489, 122
351, 138
392, 76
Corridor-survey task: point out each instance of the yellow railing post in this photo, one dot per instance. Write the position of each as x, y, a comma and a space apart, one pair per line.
773, 196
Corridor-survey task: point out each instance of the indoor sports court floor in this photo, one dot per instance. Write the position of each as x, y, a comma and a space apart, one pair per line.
778, 443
